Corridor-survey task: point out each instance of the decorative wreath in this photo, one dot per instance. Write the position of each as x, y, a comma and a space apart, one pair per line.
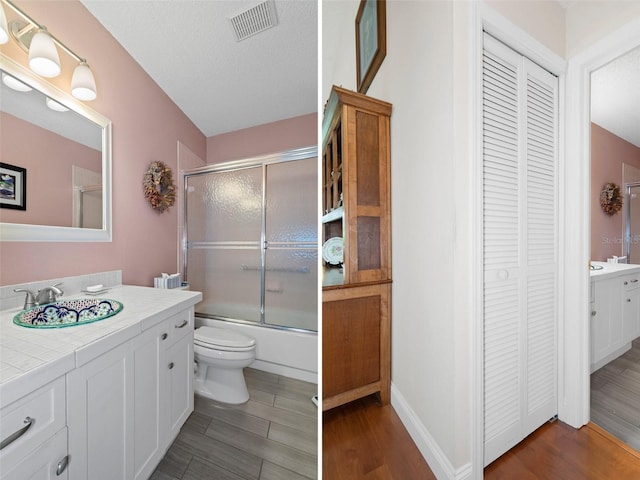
610, 198
159, 189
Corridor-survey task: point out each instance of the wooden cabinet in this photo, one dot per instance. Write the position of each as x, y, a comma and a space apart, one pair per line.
126, 406
356, 178
356, 208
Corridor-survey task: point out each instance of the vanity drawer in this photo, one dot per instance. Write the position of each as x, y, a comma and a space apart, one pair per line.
29, 421
179, 325
631, 282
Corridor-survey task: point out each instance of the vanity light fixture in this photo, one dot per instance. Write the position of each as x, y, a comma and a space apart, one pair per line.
42, 47
53, 105
14, 83
43, 55
83, 85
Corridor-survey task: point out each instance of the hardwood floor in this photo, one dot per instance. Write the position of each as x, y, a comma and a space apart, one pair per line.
364, 441
615, 397
558, 451
271, 437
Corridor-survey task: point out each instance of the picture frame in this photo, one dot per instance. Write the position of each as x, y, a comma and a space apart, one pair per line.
371, 41
13, 187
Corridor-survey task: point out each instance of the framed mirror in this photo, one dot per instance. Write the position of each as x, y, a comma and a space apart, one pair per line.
55, 158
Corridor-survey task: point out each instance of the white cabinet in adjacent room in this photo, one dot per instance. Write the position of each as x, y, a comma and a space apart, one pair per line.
631, 307
615, 317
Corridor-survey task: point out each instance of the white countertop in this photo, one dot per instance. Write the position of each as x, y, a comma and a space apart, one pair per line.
31, 357
613, 269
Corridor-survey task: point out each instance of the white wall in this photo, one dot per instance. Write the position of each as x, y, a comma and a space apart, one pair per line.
427, 77
417, 78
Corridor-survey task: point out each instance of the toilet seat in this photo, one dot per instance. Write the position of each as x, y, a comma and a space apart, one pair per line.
223, 339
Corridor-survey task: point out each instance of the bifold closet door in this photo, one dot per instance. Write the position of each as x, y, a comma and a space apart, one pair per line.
519, 246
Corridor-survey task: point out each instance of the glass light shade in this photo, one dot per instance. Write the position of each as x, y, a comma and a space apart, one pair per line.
43, 55
58, 107
83, 85
14, 83
4, 30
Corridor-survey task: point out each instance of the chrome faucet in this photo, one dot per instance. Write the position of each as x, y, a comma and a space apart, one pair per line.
42, 297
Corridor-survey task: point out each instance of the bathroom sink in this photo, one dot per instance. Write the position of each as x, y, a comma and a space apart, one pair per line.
68, 313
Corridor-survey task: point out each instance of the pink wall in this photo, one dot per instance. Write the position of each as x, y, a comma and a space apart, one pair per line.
48, 158
147, 126
608, 153
264, 139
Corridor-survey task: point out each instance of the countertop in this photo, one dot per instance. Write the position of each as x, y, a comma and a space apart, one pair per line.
30, 357
613, 269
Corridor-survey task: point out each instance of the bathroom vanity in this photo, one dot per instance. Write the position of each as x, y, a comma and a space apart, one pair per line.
615, 310
97, 401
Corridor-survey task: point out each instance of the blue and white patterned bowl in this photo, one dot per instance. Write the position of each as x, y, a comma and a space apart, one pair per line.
68, 313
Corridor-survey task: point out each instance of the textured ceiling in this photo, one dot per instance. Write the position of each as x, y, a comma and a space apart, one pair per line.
189, 49
615, 97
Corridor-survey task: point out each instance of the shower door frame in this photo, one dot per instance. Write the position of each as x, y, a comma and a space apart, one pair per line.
253, 162
627, 219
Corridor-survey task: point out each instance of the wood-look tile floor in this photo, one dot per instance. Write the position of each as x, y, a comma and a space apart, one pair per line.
615, 397
274, 436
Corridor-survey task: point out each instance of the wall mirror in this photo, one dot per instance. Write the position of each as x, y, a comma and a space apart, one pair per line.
63, 149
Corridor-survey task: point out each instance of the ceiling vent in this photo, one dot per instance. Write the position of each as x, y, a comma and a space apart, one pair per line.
254, 20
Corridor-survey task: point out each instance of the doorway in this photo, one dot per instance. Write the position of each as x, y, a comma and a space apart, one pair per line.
615, 155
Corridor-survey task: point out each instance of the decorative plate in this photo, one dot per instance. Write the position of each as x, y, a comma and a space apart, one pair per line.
333, 251
68, 313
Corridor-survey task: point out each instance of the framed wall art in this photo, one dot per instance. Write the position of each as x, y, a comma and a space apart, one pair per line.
13, 187
371, 40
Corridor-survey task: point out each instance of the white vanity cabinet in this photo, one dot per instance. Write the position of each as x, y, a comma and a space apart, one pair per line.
125, 407
615, 316
163, 399
631, 307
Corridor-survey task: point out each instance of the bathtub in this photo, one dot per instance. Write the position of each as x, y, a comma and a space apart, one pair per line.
284, 352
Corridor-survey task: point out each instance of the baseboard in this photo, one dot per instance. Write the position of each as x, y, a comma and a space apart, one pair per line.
429, 448
285, 371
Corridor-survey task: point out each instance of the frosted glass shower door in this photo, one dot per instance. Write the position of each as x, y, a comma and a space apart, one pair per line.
633, 224
291, 274
224, 227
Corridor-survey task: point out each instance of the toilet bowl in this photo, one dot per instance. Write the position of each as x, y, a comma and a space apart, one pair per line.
220, 356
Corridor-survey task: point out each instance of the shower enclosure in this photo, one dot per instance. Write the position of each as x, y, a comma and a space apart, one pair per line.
251, 241
632, 223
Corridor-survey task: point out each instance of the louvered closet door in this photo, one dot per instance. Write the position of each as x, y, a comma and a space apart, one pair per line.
519, 247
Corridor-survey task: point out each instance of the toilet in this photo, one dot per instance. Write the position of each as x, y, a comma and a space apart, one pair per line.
221, 355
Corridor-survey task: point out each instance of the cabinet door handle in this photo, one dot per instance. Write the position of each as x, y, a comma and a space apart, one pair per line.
593, 313
62, 465
16, 435
163, 336
183, 324
170, 365
628, 299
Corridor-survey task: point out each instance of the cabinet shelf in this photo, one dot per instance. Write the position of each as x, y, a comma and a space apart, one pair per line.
336, 214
